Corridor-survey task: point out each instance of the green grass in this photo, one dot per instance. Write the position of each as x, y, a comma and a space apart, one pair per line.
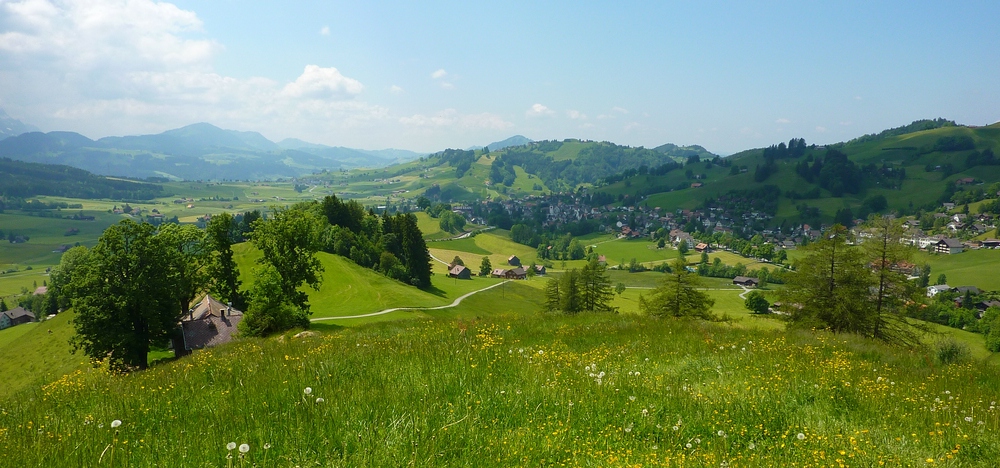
33, 356
348, 289
520, 388
980, 268
462, 245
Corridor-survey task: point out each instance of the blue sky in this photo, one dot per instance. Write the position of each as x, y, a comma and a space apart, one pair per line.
430, 75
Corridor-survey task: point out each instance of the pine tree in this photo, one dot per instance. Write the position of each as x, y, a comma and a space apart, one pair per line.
884, 251
677, 296
595, 287
552, 297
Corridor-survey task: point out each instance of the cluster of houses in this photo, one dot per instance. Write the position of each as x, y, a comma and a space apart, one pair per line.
517, 272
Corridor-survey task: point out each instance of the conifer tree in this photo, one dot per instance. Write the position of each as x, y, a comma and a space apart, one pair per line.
678, 296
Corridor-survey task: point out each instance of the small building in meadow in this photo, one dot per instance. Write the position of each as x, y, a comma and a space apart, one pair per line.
15, 316
701, 247
207, 324
516, 273
948, 246
460, 272
499, 273
514, 261
540, 269
746, 281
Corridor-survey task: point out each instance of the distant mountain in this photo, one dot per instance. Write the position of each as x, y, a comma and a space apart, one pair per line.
684, 152
196, 152
10, 126
516, 140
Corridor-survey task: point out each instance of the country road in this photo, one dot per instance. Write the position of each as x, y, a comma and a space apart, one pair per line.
457, 301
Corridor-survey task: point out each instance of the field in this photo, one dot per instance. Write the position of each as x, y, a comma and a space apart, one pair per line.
980, 268
524, 389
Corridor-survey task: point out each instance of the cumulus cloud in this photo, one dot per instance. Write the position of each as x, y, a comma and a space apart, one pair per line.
782, 121
439, 73
576, 115
317, 82
538, 110
447, 85
122, 67
820, 129
395, 89
324, 31
619, 110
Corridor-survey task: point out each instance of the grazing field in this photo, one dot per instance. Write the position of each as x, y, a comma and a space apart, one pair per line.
37, 353
519, 389
980, 268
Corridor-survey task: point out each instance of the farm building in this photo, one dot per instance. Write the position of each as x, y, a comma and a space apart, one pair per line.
498, 273
514, 261
460, 272
746, 281
207, 324
15, 316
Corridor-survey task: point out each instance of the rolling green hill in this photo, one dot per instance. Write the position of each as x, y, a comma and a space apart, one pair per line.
911, 170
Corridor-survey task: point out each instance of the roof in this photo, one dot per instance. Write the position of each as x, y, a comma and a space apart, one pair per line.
963, 289
209, 307
951, 243
41, 290
18, 312
744, 279
498, 271
518, 271
456, 270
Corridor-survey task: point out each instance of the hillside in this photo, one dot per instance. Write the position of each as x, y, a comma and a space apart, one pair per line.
10, 126
911, 168
521, 389
23, 179
195, 152
37, 353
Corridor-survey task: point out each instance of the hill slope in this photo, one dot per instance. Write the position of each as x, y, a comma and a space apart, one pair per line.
524, 390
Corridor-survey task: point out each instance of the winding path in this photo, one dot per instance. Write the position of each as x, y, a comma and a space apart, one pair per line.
457, 301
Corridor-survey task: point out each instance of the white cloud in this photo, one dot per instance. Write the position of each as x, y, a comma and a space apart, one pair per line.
538, 110
846, 123
124, 67
576, 115
619, 110
395, 89
324, 31
320, 83
447, 85
820, 129
782, 121
451, 118
439, 73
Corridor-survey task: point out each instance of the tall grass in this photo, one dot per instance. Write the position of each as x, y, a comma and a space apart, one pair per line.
519, 390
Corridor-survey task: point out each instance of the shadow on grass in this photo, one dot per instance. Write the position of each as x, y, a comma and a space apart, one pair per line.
325, 327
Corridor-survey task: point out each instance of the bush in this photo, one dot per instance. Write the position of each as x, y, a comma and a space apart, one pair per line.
950, 351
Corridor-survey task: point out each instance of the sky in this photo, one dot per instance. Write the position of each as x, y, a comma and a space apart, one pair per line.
433, 74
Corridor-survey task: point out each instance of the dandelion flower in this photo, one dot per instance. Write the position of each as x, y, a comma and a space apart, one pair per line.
244, 448
801, 436
308, 391
230, 445
116, 423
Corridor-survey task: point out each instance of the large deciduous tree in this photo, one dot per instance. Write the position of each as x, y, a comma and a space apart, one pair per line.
222, 270
125, 292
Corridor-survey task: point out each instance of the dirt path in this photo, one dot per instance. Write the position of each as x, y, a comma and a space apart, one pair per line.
457, 301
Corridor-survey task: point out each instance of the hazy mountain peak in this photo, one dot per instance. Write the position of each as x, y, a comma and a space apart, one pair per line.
10, 126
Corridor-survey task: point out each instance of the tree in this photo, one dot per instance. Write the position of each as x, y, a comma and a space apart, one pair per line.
883, 252
3, 306
620, 288
485, 267
289, 242
830, 287
125, 295
457, 261
677, 296
595, 287
270, 308
553, 295
190, 256
221, 267
576, 251
942, 279
682, 247
925, 276
756, 303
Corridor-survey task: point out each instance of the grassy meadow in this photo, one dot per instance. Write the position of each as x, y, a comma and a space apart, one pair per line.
519, 388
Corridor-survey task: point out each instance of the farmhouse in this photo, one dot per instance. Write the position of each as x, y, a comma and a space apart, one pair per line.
207, 324
460, 272
948, 246
516, 273
991, 244
15, 316
746, 281
540, 269
701, 247
937, 288
514, 261
498, 273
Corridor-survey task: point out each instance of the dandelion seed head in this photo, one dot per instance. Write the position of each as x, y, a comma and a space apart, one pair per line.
267, 446
721, 433
631, 398
687, 445
968, 419
320, 400
116, 423
308, 391
676, 428
244, 448
230, 445
752, 446
801, 436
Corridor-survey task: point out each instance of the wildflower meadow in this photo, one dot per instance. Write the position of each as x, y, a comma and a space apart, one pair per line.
519, 390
